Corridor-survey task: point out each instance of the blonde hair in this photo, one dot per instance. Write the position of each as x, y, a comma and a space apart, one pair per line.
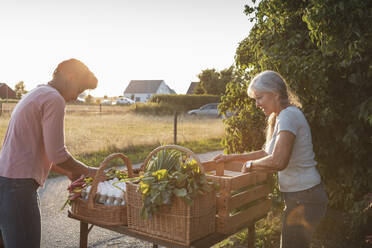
271, 81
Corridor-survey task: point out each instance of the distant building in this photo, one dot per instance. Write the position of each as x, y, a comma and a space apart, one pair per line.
142, 90
191, 88
6, 92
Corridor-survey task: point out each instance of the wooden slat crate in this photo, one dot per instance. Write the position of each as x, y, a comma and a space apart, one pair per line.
242, 198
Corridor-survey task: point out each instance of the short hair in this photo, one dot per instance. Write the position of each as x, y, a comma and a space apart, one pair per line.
87, 79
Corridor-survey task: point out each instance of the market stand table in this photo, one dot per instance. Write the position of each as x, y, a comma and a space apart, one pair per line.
208, 241
241, 201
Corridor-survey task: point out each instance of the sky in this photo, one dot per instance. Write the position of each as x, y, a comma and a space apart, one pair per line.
119, 40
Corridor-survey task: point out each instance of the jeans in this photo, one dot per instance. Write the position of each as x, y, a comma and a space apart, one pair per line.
303, 212
20, 223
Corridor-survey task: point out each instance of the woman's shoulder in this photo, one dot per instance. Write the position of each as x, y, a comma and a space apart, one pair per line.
292, 113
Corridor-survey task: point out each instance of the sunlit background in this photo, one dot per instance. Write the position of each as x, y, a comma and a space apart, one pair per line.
119, 40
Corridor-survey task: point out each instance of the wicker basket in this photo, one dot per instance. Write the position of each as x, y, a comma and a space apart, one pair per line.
93, 212
178, 223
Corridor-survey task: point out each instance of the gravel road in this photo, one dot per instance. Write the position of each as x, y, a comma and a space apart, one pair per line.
60, 231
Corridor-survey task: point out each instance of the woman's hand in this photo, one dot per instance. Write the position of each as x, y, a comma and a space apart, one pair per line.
221, 158
247, 167
90, 172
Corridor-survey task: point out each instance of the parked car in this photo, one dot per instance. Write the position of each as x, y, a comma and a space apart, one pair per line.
80, 100
106, 102
209, 109
124, 101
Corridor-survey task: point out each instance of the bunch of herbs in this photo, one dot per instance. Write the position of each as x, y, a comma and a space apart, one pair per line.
180, 178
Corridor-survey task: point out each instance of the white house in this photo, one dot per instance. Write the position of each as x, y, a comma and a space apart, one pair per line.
142, 90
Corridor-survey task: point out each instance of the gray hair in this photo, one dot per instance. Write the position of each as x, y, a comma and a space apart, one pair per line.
271, 81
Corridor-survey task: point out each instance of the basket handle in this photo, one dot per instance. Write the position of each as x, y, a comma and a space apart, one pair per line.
176, 147
100, 176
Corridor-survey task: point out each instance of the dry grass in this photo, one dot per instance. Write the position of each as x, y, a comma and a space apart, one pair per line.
93, 133
90, 133
81, 109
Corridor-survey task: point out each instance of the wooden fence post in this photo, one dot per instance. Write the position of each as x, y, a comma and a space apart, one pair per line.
175, 128
1, 108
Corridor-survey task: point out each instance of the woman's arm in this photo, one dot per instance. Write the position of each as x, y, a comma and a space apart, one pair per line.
279, 159
75, 168
240, 157
61, 171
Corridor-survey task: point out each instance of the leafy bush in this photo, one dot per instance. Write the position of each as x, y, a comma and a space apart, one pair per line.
152, 108
183, 103
325, 54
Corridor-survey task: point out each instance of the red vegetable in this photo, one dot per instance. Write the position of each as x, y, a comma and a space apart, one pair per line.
75, 185
75, 196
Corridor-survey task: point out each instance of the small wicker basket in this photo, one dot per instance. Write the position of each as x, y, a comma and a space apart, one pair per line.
178, 223
91, 211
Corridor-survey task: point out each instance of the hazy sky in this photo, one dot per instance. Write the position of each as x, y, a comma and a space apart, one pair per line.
119, 40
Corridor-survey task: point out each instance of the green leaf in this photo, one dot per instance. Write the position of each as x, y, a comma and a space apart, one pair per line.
180, 192
144, 213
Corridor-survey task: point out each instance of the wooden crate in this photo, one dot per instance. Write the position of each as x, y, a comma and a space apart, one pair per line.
242, 198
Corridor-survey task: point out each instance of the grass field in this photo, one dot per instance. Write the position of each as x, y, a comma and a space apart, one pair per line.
87, 134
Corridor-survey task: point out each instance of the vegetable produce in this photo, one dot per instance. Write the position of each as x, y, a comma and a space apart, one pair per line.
170, 174
109, 192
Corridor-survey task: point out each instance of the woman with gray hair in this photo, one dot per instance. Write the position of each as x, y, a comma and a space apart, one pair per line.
288, 150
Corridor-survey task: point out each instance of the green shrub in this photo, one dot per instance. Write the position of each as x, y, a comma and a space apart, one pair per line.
152, 108
183, 103
325, 54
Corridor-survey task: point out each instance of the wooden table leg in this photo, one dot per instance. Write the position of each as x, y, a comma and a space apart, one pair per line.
251, 235
83, 234
1, 241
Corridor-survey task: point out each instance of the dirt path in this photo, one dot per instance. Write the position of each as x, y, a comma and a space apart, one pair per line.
60, 231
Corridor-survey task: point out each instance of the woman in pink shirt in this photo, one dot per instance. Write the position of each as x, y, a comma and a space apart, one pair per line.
34, 144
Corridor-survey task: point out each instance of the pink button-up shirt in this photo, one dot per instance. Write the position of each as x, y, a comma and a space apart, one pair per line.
35, 137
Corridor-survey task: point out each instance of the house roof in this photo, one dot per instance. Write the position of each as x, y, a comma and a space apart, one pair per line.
4, 84
171, 90
143, 86
192, 87
6, 91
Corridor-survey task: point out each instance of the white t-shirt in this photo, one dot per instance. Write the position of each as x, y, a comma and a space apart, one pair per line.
301, 172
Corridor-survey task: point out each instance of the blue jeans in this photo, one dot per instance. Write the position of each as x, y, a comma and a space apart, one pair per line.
19, 213
303, 212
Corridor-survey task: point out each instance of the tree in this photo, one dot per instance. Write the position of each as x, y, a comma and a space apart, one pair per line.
213, 82
19, 89
323, 48
198, 90
89, 99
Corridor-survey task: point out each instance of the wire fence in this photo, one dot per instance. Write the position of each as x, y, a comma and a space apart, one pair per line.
71, 108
